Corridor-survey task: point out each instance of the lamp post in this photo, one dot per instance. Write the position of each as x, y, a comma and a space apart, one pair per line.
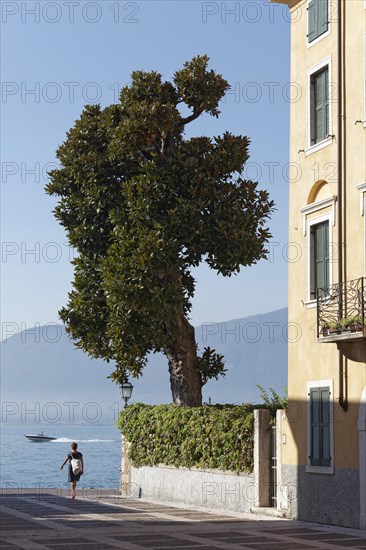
125, 479
126, 390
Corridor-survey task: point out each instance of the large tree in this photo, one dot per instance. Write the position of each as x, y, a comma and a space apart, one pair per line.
142, 205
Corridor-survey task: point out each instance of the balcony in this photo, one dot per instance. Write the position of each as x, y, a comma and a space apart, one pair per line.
341, 317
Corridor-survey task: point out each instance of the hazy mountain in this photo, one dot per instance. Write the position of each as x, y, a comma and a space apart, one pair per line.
42, 371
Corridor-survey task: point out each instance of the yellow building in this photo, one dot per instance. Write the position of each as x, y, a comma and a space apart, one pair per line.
323, 438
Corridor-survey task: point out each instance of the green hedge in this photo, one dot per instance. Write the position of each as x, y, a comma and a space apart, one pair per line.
215, 436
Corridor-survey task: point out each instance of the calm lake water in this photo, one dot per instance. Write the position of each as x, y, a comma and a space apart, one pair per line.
24, 464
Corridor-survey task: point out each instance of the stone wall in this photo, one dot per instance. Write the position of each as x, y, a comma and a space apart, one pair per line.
211, 489
321, 498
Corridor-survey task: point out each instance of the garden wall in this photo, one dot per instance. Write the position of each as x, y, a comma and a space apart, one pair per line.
216, 490
211, 488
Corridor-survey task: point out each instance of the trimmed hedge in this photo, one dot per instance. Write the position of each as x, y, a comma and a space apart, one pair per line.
215, 436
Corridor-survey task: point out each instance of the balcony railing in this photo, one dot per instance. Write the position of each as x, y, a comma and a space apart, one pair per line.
341, 311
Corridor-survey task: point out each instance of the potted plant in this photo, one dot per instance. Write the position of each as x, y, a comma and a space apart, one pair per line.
330, 327
355, 323
344, 324
335, 327
325, 328
352, 324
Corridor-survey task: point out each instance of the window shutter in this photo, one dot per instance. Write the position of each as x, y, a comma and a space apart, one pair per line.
312, 263
322, 16
321, 259
315, 426
312, 26
326, 103
317, 19
320, 427
326, 255
325, 426
312, 111
319, 106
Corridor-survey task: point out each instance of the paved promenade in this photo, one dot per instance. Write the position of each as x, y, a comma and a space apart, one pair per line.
49, 519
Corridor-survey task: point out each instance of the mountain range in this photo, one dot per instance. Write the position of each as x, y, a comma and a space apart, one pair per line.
42, 373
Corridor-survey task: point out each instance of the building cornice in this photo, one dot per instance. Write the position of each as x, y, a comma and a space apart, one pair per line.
290, 3
316, 206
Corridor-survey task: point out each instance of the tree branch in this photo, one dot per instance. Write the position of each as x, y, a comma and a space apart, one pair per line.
193, 116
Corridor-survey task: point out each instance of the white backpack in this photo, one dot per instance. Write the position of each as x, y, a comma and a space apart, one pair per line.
75, 465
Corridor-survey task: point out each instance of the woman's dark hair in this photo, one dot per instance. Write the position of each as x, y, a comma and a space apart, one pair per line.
74, 446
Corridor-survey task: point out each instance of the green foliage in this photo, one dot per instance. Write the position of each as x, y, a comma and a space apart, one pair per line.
211, 365
217, 436
143, 205
348, 323
273, 400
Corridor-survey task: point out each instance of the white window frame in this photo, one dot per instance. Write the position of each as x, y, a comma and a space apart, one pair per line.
320, 469
325, 34
314, 221
310, 72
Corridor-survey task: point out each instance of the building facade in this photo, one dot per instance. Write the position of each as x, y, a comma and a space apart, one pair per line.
323, 440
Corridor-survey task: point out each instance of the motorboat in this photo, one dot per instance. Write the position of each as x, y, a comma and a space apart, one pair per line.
38, 438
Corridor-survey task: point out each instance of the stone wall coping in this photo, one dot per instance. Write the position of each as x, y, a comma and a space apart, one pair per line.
199, 470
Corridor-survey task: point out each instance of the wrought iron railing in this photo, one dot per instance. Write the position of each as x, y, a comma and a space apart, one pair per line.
341, 308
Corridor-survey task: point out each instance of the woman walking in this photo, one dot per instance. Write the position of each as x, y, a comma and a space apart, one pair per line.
73, 478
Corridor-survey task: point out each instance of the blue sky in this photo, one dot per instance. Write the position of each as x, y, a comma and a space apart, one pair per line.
58, 56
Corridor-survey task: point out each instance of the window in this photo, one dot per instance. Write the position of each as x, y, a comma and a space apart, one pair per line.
319, 258
317, 19
318, 220
319, 106
320, 440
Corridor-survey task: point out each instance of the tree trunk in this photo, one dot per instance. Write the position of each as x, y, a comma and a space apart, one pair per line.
185, 381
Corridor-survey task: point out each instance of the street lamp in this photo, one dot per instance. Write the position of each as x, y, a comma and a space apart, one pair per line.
126, 390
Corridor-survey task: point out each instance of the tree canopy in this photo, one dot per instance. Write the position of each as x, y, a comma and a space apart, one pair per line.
143, 205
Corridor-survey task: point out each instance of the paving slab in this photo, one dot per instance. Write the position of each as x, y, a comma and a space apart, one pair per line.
48, 519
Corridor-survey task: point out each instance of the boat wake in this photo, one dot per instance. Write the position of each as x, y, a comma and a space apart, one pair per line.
67, 440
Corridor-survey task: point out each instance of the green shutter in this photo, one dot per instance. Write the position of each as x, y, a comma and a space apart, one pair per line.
319, 106
315, 427
320, 102
317, 19
322, 17
321, 255
325, 426
312, 111
319, 258
312, 26
326, 103
320, 427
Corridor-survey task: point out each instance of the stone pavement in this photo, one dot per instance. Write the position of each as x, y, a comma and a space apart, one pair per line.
101, 520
